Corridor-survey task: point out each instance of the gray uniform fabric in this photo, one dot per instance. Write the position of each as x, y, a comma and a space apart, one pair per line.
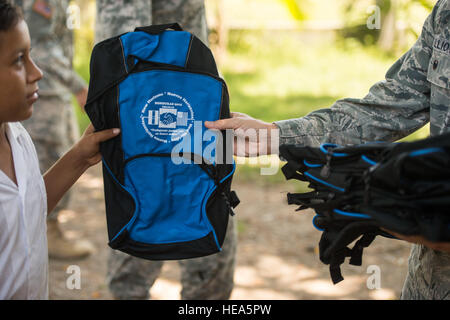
416, 90
128, 277
53, 126
115, 17
205, 278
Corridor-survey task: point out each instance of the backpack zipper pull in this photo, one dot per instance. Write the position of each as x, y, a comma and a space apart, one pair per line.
325, 172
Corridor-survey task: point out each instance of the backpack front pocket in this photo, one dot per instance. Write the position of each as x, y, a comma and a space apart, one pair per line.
172, 211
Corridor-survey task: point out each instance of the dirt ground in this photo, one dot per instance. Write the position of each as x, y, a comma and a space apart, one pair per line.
277, 255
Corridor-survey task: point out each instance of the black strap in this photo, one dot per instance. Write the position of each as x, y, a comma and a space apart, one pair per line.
233, 198
290, 171
349, 233
355, 255
336, 258
333, 245
160, 28
357, 250
300, 198
335, 264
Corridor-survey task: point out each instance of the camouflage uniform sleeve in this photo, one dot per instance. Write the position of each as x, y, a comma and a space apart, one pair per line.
115, 17
393, 108
52, 61
48, 44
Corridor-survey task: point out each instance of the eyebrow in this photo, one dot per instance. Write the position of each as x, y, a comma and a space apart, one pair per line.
20, 50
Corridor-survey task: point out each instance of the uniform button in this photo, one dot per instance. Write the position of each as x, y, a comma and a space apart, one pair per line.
435, 64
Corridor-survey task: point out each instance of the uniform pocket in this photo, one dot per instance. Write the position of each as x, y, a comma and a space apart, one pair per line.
438, 74
439, 69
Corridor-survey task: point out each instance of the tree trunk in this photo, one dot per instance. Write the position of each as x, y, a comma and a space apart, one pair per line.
222, 30
388, 32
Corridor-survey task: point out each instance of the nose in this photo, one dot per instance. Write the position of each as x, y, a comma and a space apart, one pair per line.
34, 74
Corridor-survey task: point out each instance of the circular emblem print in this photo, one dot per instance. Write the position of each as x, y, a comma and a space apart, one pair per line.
167, 117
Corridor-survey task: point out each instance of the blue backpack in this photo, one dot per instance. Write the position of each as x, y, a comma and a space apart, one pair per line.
167, 180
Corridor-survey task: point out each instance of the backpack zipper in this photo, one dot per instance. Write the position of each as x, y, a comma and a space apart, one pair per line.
162, 66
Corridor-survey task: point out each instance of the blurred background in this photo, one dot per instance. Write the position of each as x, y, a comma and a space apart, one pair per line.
281, 59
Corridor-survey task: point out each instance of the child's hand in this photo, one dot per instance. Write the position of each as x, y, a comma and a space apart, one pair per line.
66, 171
87, 148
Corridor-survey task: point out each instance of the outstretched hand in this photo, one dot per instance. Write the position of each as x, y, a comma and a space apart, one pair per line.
252, 137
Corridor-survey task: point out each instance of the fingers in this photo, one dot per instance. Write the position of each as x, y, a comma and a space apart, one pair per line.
239, 115
106, 134
231, 123
95, 159
223, 124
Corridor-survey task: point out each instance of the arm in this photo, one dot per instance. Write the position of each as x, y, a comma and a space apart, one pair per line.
52, 44
393, 108
66, 171
57, 66
438, 246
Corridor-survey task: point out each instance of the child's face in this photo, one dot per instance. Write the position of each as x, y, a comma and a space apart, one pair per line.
18, 75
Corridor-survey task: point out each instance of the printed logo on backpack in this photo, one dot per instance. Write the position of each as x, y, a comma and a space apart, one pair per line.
167, 179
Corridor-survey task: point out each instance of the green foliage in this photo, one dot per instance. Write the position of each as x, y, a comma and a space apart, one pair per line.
410, 13
427, 4
84, 42
82, 118
279, 76
296, 9
81, 66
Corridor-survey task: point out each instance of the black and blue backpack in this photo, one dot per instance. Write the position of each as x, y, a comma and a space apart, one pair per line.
167, 180
360, 191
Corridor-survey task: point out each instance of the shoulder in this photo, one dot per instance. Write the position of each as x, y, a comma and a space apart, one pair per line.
441, 15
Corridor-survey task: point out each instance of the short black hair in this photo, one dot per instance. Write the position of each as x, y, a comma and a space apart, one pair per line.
10, 15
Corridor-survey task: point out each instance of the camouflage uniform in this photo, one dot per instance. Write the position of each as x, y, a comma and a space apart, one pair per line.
416, 90
53, 126
115, 17
128, 277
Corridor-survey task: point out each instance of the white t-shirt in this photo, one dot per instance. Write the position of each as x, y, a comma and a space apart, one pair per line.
23, 228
